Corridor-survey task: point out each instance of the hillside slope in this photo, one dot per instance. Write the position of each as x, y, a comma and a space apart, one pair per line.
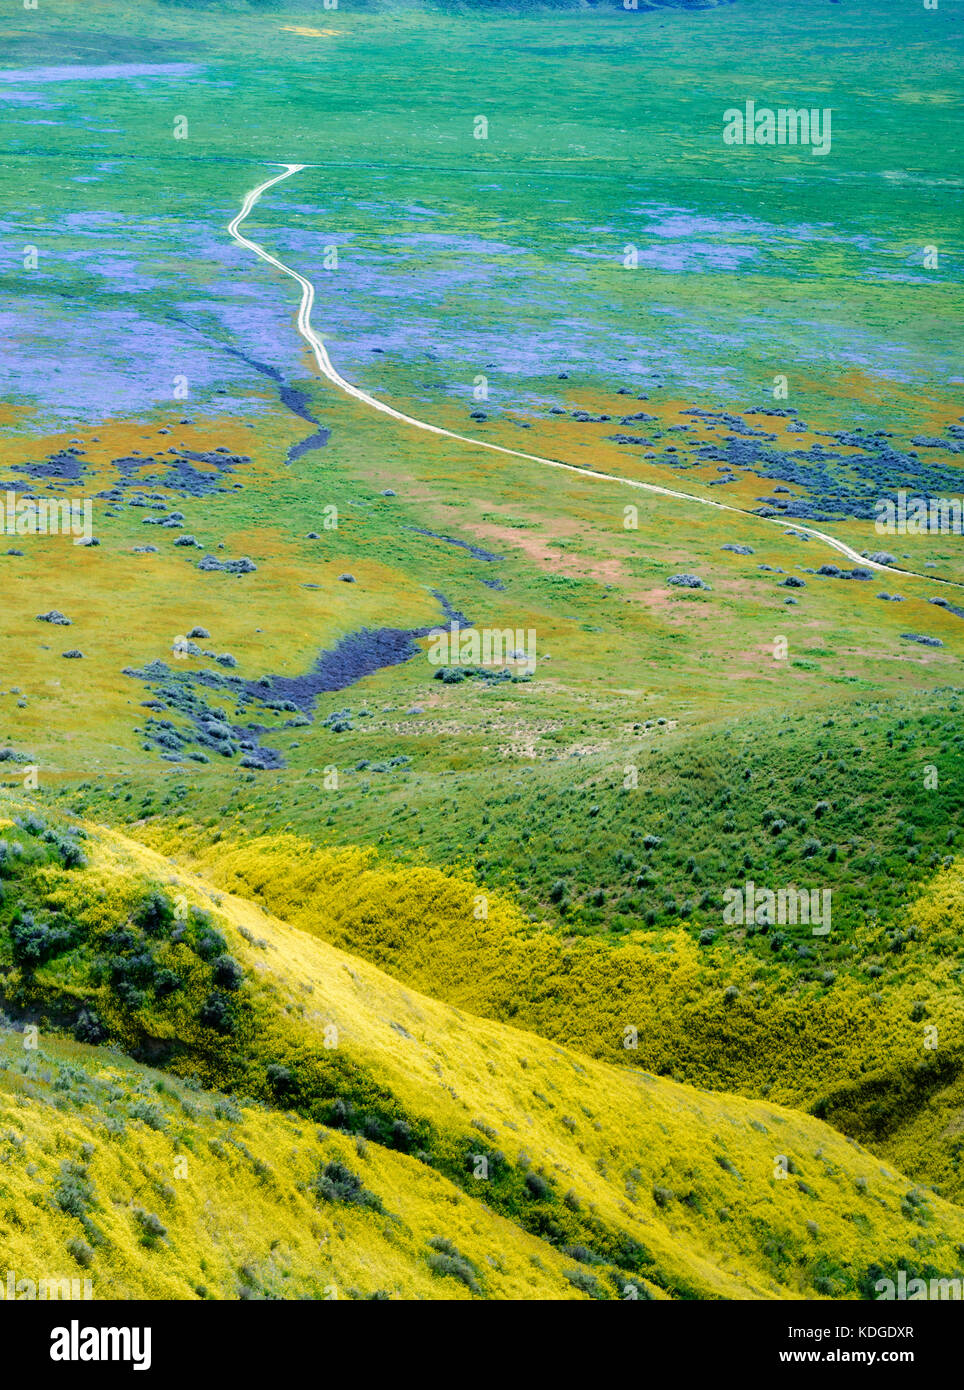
720, 1009
150, 1188
678, 1191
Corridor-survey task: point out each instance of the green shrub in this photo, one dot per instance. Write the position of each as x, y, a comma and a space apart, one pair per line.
336, 1183
537, 1187
151, 1227
585, 1282
154, 914
458, 1269
72, 1191
32, 943
216, 1013
227, 973
81, 1251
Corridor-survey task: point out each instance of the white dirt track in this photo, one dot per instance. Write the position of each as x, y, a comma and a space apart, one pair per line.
330, 372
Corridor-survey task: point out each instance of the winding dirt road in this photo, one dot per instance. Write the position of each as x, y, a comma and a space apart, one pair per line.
330, 372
